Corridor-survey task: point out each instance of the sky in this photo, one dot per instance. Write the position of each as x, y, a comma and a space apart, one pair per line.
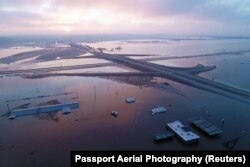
173, 17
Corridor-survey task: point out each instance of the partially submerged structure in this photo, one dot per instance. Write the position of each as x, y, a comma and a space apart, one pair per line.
205, 126
65, 108
130, 100
158, 110
162, 136
114, 113
183, 132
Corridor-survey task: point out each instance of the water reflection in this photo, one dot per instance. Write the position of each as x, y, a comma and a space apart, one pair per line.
46, 139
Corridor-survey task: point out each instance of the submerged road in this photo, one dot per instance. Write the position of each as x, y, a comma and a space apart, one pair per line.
180, 76
194, 70
198, 55
157, 57
50, 69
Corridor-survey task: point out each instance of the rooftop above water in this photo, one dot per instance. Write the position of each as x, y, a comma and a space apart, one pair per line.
177, 127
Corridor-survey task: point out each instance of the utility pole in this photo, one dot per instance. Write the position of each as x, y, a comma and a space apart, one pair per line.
8, 107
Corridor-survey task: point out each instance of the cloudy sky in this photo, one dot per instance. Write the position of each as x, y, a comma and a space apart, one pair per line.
178, 17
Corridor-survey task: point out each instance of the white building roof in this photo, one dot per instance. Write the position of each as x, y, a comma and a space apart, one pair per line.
185, 135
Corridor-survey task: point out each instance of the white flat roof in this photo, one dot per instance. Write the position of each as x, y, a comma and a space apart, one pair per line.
43, 109
159, 109
177, 127
130, 99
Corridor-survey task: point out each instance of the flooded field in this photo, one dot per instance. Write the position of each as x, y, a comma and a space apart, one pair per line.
172, 47
46, 139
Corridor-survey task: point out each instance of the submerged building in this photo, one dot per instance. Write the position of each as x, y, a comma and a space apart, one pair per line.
183, 132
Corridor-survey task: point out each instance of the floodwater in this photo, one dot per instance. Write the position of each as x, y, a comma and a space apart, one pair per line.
172, 47
46, 140
5, 52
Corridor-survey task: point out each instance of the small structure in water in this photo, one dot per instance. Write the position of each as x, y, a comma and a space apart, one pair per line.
114, 113
130, 100
162, 136
12, 116
205, 126
66, 110
158, 110
183, 132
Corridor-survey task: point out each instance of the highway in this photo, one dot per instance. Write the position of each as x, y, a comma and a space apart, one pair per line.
97, 74
180, 76
183, 75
